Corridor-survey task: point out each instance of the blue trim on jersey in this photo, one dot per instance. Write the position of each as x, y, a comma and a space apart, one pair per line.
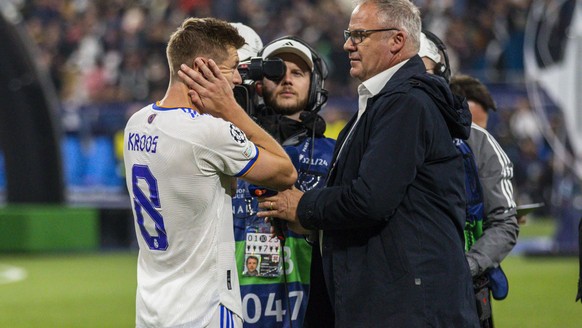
193, 113
249, 165
222, 310
190, 111
226, 317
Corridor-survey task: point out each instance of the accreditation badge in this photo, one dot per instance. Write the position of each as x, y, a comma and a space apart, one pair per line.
262, 255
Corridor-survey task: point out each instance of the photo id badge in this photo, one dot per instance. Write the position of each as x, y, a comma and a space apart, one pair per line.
262, 255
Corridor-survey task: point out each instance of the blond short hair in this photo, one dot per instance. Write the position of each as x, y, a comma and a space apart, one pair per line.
201, 37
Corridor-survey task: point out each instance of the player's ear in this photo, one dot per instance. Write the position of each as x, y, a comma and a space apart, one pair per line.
259, 88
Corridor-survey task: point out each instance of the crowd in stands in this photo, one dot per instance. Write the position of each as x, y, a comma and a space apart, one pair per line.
100, 54
100, 51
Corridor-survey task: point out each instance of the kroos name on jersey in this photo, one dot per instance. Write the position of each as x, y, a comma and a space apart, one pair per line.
142, 142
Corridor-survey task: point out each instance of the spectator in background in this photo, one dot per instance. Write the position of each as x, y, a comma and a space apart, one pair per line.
179, 168
500, 227
493, 29
392, 212
478, 97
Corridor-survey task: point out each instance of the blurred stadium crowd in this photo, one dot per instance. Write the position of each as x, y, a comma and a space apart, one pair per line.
113, 50
107, 59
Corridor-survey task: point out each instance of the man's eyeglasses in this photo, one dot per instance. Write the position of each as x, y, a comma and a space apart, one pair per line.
358, 36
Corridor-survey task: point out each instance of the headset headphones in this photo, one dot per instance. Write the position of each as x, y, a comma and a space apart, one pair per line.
317, 94
440, 69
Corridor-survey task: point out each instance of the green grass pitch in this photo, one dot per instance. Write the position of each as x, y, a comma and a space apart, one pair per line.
80, 290
541, 293
98, 290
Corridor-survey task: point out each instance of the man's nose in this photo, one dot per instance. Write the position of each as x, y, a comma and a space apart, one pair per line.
349, 46
287, 78
237, 79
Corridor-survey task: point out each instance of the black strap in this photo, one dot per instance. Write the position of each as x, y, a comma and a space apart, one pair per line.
483, 301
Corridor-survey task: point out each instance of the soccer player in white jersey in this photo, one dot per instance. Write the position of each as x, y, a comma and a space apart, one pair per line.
180, 160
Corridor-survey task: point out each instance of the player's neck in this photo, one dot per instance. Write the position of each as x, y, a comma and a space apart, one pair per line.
176, 96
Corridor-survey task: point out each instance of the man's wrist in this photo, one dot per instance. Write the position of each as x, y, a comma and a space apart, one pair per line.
474, 266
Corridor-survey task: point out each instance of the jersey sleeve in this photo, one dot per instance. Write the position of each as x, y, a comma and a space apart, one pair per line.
226, 149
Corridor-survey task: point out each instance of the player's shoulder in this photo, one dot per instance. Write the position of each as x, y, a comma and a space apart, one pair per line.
139, 116
219, 126
193, 122
219, 132
211, 120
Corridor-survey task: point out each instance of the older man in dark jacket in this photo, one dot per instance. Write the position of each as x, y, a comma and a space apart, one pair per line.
392, 214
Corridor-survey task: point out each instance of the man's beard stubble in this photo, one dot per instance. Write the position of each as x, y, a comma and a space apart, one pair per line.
284, 110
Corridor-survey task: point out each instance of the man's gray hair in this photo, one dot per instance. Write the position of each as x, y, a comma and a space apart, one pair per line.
401, 14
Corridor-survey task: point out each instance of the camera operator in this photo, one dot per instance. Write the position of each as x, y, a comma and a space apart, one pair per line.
278, 296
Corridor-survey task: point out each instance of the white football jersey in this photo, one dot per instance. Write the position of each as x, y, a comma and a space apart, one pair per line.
179, 167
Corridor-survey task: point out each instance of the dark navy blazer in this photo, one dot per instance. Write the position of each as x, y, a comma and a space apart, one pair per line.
393, 214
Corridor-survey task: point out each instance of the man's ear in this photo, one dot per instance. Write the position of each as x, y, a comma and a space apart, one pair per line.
259, 88
399, 41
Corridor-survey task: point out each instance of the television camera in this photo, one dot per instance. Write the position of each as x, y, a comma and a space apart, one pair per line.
252, 71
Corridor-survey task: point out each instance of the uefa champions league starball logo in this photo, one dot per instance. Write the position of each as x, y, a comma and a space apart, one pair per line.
237, 134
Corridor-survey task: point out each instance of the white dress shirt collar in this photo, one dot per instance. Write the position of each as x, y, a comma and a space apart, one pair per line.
374, 85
